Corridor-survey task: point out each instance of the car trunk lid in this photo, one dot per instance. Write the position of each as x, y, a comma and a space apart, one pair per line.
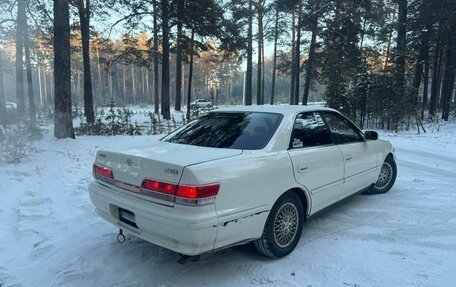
163, 162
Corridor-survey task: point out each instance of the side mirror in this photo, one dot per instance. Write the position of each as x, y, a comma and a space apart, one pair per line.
371, 135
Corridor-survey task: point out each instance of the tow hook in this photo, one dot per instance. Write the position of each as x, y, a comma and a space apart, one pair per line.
185, 258
120, 236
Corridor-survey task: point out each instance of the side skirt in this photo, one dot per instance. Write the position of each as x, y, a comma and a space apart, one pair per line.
340, 202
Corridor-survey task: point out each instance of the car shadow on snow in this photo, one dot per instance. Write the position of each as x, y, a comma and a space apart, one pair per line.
146, 261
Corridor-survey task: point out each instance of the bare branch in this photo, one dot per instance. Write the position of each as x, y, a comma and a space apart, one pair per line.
3, 21
124, 19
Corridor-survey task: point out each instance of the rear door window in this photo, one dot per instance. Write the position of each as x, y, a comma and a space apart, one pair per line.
309, 130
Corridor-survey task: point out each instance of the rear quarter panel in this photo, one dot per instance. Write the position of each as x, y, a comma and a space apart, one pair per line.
249, 186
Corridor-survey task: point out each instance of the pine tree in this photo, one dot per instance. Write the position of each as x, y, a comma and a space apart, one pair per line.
3, 119
315, 13
63, 123
155, 57
20, 22
165, 106
341, 53
84, 18
248, 73
399, 75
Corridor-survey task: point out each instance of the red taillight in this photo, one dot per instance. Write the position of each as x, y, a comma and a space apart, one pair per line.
103, 171
184, 194
159, 186
197, 192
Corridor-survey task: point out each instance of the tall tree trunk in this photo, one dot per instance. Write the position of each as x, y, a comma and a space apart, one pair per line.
143, 83
147, 77
262, 68
20, 21
293, 53
74, 96
100, 79
51, 84
422, 55
401, 44
312, 49
399, 76
425, 85
447, 87
248, 73
124, 85
388, 46
274, 61
260, 37
362, 34
180, 12
2, 94
110, 81
84, 19
40, 86
78, 86
45, 89
133, 84
165, 62
190, 76
363, 79
424, 103
436, 72
298, 53
155, 56
449, 71
28, 65
63, 125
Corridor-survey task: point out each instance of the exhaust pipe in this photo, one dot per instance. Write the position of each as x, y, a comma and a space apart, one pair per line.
185, 258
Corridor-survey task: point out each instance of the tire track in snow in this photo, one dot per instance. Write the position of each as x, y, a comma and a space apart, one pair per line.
425, 168
395, 239
428, 162
32, 209
426, 154
394, 236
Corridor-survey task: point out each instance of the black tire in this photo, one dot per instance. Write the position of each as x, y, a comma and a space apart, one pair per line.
283, 227
386, 178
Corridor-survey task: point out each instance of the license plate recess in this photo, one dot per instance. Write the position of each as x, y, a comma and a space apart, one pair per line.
127, 217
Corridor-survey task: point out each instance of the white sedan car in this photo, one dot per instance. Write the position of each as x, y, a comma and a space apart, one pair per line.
238, 175
201, 103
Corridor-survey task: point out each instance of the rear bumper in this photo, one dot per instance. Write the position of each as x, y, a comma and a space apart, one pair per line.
184, 229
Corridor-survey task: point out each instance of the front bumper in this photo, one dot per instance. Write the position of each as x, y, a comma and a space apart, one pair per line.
186, 230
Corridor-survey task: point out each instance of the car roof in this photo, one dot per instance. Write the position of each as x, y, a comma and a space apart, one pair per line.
280, 109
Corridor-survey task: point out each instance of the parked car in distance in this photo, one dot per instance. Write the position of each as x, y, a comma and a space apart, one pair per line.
10, 106
201, 103
240, 174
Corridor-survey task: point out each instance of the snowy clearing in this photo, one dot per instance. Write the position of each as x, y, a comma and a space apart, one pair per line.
50, 235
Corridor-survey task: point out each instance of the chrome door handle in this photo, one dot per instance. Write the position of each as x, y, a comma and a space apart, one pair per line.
302, 168
348, 157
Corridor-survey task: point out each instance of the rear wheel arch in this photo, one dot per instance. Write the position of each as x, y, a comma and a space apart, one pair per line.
303, 196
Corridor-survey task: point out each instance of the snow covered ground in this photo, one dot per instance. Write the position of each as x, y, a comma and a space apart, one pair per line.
50, 235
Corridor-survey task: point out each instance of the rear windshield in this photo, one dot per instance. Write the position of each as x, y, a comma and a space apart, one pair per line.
235, 130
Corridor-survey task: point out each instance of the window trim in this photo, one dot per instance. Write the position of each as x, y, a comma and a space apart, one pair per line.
350, 123
290, 146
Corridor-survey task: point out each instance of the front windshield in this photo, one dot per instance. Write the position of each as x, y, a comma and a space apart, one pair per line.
234, 130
